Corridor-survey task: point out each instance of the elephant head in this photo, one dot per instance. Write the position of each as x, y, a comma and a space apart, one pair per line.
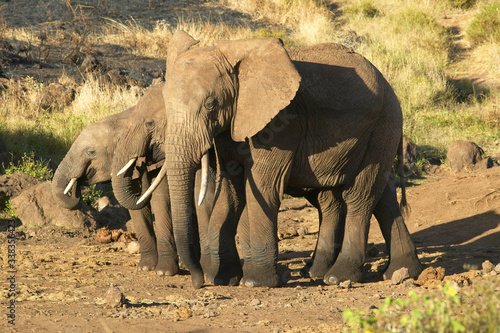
88, 160
142, 137
236, 86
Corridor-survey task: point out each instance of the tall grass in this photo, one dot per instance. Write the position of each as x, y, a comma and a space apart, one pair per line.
27, 128
407, 41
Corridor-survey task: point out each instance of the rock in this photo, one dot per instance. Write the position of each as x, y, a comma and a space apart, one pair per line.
255, 302
464, 155
133, 247
497, 268
36, 207
91, 65
488, 267
430, 273
111, 214
56, 96
399, 276
302, 231
12, 185
473, 273
410, 155
103, 235
102, 203
114, 297
345, 284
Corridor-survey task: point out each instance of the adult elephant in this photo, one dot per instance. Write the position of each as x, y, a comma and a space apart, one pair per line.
89, 161
144, 134
140, 149
336, 124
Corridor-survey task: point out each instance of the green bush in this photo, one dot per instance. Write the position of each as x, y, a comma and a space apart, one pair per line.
485, 25
91, 195
449, 309
31, 166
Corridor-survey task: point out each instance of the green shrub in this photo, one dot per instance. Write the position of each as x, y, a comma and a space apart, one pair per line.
449, 309
91, 195
485, 25
31, 166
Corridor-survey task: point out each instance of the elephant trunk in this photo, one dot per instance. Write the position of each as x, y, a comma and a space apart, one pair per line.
128, 190
181, 174
66, 197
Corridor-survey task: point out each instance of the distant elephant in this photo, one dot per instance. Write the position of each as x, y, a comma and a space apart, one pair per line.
327, 121
89, 160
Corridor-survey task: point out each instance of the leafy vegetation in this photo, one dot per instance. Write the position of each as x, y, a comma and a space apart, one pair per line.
91, 195
449, 309
31, 166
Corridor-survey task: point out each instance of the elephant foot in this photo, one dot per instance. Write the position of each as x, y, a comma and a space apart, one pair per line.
229, 275
343, 270
315, 269
270, 279
412, 264
167, 268
147, 263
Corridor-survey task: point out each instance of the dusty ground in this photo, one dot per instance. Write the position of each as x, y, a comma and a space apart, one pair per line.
62, 277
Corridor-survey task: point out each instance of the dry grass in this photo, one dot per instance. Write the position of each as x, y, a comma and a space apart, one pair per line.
446, 93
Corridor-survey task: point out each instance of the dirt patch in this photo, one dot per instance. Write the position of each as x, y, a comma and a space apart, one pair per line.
63, 277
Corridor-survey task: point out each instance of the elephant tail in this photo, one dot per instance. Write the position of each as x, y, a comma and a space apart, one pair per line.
404, 207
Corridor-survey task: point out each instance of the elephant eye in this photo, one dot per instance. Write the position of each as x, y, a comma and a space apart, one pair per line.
91, 152
150, 124
210, 103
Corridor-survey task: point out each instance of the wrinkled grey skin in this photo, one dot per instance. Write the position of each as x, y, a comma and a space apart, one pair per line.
89, 160
336, 124
141, 137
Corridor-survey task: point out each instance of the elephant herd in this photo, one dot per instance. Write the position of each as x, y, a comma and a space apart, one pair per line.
239, 124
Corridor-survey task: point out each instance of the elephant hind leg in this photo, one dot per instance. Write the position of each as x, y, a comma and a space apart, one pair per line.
143, 225
331, 231
402, 252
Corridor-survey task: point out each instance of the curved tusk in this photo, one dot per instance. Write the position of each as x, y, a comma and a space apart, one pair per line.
204, 178
127, 166
155, 184
70, 185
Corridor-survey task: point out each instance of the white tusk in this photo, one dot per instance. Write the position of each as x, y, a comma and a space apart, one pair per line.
70, 185
204, 178
155, 184
127, 166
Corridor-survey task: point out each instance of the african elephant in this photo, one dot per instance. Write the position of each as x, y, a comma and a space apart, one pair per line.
326, 120
142, 142
89, 160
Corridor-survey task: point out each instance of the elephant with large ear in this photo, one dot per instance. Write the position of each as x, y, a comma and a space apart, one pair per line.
327, 121
89, 161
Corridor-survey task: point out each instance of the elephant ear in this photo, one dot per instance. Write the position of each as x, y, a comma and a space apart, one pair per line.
178, 44
268, 81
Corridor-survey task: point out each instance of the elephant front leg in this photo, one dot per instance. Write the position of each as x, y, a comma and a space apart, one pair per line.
168, 262
143, 225
263, 205
402, 252
225, 267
